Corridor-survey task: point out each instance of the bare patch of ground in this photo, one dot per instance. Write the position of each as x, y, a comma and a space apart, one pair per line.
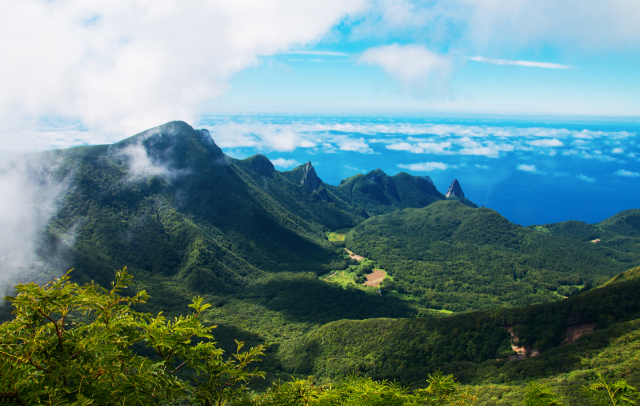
597, 240
375, 278
574, 332
354, 256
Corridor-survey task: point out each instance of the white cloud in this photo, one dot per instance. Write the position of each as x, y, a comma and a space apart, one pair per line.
586, 178
617, 151
546, 143
334, 134
599, 156
353, 168
482, 166
285, 163
414, 66
625, 173
403, 146
529, 64
352, 144
30, 196
499, 25
322, 53
425, 166
586, 24
527, 168
120, 66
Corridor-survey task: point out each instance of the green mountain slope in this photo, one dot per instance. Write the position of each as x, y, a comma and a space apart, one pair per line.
188, 220
450, 256
477, 346
621, 231
169, 202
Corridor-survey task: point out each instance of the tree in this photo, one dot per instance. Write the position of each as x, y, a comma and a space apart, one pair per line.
605, 393
74, 345
539, 394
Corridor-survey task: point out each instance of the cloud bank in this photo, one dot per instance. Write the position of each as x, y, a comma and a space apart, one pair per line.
334, 134
121, 67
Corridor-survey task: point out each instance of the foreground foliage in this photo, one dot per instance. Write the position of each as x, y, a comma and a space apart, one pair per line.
353, 390
79, 345
71, 344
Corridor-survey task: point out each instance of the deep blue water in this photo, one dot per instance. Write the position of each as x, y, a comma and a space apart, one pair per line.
531, 169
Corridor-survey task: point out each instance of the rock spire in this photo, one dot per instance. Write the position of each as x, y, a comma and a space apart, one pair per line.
455, 190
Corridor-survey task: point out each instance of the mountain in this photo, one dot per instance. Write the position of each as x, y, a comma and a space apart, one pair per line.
620, 231
188, 220
450, 256
378, 193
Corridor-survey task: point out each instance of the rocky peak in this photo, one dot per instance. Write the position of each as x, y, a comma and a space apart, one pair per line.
455, 190
377, 176
309, 177
261, 165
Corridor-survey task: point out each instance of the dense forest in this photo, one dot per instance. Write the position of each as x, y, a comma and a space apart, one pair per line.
454, 257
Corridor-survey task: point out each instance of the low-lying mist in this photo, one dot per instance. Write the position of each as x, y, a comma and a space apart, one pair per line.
31, 195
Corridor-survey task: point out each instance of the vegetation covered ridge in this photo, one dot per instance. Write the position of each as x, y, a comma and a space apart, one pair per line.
405, 348
448, 255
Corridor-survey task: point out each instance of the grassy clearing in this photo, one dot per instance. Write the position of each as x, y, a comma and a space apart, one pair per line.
338, 235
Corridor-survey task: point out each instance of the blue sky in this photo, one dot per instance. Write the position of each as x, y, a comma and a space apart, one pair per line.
576, 58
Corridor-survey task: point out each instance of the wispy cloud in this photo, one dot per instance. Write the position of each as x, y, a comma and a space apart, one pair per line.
322, 53
285, 163
546, 143
586, 178
414, 66
425, 166
353, 168
527, 168
626, 173
529, 64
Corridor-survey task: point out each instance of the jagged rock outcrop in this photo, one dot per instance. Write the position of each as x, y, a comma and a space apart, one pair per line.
309, 177
455, 190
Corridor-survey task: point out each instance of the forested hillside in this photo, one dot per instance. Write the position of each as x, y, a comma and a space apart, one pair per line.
477, 347
448, 255
187, 220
